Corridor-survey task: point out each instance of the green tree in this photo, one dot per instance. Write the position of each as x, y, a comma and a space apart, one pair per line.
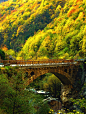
44, 109
2, 54
52, 84
13, 98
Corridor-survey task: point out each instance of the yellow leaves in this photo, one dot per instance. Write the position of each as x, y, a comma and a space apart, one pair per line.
72, 9
84, 44
42, 3
42, 58
65, 7
53, 78
0, 6
7, 17
23, 0
81, 14
2, 68
46, 42
5, 36
53, 32
50, 26
66, 56
58, 29
49, 31
58, 7
84, 31
10, 2
69, 22
47, 38
1, 28
78, 2
19, 58
10, 52
45, 86
84, 1
20, 29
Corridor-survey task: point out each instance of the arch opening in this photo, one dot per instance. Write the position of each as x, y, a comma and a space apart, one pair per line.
32, 73
62, 78
65, 70
26, 75
49, 83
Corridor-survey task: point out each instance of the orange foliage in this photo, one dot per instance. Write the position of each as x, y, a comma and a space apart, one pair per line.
40, 31
4, 16
21, 11
13, 11
53, 32
78, 1
25, 40
75, 9
35, 32
0, 15
22, 5
70, 12
60, 19
76, 6
4, 48
33, 6
47, 38
3, 7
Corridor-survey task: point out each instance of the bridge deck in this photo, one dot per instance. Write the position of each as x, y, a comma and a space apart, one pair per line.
43, 65
36, 63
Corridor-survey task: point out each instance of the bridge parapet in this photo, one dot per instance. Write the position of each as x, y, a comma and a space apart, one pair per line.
36, 61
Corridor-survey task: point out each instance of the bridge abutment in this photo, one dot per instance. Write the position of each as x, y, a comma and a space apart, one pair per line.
66, 93
72, 90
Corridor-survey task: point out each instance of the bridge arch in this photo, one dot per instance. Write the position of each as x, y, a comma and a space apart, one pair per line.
59, 72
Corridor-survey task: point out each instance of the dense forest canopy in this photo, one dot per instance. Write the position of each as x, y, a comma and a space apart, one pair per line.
14, 99
38, 29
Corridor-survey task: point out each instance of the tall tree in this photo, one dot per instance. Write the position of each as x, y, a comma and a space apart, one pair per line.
2, 54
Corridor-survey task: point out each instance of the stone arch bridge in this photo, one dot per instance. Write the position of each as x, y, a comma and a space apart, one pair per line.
66, 70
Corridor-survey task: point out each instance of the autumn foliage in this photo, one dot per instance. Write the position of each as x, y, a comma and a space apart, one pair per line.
44, 28
4, 48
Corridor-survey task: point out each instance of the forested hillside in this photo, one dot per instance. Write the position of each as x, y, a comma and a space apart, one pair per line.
44, 28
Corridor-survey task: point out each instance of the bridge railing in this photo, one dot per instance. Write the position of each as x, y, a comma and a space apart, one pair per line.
23, 62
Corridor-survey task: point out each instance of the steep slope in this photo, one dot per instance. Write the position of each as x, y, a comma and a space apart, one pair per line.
49, 28
64, 37
21, 19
